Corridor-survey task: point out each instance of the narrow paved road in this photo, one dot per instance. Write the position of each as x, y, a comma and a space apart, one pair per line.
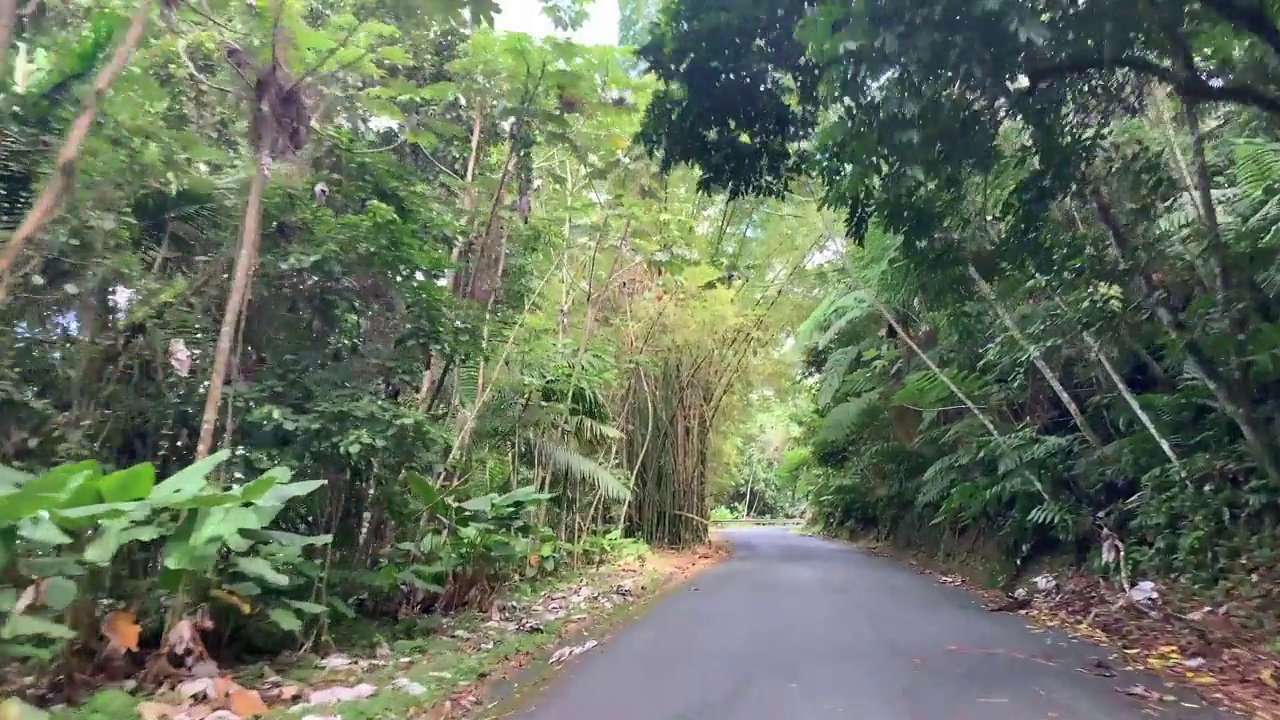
797, 628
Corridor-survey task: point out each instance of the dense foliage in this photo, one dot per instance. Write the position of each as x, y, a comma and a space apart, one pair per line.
416, 264
1057, 329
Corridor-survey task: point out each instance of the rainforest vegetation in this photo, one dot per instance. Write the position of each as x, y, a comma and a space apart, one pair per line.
317, 316
1055, 330
322, 314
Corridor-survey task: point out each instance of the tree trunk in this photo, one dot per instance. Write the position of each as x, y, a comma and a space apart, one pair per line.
8, 18
1234, 404
1110, 369
1036, 358
468, 204
241, 274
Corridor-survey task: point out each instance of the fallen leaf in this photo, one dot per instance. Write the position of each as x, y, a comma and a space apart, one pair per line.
1267, 677
122, 631
1140, 691
155, 711
195, 712
409, 687
246, 703
198, 688
330, 696
224, 687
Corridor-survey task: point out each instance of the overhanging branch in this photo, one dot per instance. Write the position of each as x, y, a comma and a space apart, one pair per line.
1191, 88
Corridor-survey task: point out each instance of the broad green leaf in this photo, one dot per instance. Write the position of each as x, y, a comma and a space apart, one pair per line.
261, 569
264, 482
280, 494
342, 608
23, 625
48, 492
217, 524
429, 494
288, 539
59, 592
244, 589
284, 619
100, 510
51, 565
11, 479
112, 537
134, 483
309, 608
42, 530
189, 481
481, 504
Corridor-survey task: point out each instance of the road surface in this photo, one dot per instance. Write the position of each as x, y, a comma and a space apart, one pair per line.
798, 628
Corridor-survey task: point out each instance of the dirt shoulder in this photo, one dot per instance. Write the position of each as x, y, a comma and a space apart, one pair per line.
465, 665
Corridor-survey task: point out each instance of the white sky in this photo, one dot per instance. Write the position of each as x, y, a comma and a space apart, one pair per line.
526, 16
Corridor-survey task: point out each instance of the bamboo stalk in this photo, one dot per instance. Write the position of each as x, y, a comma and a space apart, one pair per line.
1036, 358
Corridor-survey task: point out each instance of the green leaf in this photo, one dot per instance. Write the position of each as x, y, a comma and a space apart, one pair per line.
482, 504
259, 487
24, 625
395, 54
102, 548
100, 510
217, 524
288, 539
261, 569
189, 481
429, 494
342, 608
50, 566
11, 479
280, 494
59, 592
50, 491
309, 608
134, 483
42, 530
285, 619
244, 589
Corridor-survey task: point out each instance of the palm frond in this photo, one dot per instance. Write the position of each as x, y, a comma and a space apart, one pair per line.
575, 466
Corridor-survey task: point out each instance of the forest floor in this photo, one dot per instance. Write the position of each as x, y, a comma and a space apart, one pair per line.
470, 664
1229, 653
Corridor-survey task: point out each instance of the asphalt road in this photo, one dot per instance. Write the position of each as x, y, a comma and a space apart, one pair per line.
797, 628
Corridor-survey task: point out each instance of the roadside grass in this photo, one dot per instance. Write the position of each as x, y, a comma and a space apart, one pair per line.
437, 668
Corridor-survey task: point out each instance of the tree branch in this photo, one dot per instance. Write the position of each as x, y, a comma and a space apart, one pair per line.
8, 18
1191, 88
